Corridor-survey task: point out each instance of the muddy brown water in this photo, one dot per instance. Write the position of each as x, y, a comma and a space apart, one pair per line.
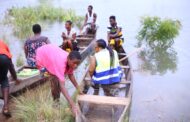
161, 85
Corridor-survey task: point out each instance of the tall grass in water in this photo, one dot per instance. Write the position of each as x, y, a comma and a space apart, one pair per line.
37, 105
23, 18
158, 32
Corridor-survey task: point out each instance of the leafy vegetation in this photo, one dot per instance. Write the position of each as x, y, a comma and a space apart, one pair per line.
158, 36
157, 32
19, 61
37, 105
23, 18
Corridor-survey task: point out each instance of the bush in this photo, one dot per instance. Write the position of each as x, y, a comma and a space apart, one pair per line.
157, 32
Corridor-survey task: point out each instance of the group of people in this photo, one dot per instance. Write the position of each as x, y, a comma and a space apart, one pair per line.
69, 36
58, 62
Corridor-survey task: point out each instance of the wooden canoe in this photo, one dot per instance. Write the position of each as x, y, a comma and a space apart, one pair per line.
86, 44
25, 82
100, 108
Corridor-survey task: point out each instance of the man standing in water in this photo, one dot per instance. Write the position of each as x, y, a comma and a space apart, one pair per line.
89, 25
33, 43
59, 63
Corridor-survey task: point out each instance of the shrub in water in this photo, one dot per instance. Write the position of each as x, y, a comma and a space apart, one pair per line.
157, 32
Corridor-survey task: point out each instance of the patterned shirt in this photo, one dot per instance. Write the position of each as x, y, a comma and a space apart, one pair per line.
30, 49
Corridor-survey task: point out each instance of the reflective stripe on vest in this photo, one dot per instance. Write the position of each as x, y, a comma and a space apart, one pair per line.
103, 73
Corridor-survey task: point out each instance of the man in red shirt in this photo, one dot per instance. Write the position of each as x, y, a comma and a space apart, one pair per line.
5, 65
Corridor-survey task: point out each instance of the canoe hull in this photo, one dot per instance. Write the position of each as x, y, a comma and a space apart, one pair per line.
93, 108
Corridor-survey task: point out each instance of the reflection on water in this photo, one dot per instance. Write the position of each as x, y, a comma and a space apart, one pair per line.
158, 60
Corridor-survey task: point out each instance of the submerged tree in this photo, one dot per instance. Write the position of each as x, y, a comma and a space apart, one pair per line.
157, 32
158, 36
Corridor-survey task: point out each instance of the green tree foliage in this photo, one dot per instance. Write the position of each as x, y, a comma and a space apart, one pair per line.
157, 32
158, 36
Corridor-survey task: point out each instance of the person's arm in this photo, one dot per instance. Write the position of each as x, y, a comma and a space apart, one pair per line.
108, 36
13, 72
48, 41
63, 36
68, 98
94, 18
116, 34
85, 22
74, 82
25, 50
74, 36
92, 65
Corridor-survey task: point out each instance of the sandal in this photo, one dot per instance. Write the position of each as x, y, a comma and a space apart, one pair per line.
6, 113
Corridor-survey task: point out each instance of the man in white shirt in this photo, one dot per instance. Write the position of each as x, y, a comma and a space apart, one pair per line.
69, 38
89, 25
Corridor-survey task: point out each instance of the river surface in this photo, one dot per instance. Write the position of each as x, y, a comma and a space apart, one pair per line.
162, 82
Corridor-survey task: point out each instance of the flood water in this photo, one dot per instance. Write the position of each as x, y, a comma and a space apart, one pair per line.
161, 82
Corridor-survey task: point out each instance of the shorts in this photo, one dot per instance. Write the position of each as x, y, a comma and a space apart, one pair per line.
5, 63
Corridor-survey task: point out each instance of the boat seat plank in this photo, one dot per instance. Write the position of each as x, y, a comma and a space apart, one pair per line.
84, 38
87, 79
87, 35
125, 67
122, 59
122, 54
105, 100
124, 81
82, 47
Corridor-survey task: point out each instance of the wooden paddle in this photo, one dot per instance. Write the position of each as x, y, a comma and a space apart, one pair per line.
131, 53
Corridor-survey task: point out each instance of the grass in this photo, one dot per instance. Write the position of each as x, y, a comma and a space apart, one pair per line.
20, 61
158, 32
23, 18
37, 105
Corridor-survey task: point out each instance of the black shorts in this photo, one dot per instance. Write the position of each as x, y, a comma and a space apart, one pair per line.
5, 63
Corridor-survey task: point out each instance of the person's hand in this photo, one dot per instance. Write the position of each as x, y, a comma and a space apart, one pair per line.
63, 35
79, 90
17, 82
74, 110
